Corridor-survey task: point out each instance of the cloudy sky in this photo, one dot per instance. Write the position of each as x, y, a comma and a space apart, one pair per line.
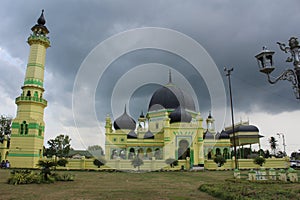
230, 32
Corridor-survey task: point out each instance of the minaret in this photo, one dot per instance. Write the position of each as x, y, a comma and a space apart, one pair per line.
28, 127
210, 123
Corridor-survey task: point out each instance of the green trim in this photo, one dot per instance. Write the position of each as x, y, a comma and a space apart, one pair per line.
192, 157
29, 111
200, 140
31, 136
34, 99
183, 133
23, 155
33, 125
33, 82
15, 125
35, 65
167, 139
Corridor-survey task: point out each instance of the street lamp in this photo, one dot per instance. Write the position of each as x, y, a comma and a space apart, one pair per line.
265, 64
228, 73
283, 142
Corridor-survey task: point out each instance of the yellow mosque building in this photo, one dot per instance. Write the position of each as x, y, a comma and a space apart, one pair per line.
171, 127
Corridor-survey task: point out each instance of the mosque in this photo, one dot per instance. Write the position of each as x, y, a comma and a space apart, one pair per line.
171, 128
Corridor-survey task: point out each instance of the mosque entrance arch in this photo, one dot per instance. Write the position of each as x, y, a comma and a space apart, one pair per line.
183, 149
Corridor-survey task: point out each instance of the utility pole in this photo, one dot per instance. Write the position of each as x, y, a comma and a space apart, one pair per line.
232, 117
283, 142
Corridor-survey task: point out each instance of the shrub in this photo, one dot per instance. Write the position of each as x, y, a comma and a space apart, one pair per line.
220, 160
99, 162
24, 177
172, 162
62, 162
63, 177
259, 160
137, 162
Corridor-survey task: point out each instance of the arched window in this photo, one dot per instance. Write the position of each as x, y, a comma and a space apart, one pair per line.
131, 153
24, 128
218, 151
40, 130
157, 154
122, 154
226, 153
28, 93
149, 153
114, 154
141, 153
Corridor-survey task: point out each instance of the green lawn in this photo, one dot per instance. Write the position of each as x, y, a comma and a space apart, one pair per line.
122, 185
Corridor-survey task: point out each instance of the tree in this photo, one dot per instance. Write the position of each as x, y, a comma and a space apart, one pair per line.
137, 162
60, 146
5, 128
46, 167
273, 144
295, 155
99, 162
96, 151
62, 162
220, 160
172, 162
259, 160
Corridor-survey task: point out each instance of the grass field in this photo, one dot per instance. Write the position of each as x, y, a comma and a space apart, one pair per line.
121, 185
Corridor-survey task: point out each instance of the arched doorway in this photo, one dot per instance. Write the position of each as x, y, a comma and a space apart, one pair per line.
141, 153
183, 150
149, 153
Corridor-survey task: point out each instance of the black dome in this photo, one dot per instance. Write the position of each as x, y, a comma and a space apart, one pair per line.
170, 97
244, 128
148, 135
180, 115
131, 135
124, 122
208, 135
223, 135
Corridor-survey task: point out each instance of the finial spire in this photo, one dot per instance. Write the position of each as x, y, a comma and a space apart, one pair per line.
41, 20
170, 76
209, 115
125, 109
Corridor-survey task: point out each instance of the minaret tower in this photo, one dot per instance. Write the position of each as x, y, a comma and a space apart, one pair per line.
28, 127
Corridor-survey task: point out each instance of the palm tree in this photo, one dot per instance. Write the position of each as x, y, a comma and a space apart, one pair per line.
46, 165
273, 144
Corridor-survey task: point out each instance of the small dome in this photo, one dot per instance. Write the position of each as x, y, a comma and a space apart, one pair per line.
223, 135
41, 20
124, 122
131, 135
148, 135
180, 115
208, 135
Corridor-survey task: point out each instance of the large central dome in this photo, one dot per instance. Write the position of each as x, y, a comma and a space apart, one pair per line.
170, 97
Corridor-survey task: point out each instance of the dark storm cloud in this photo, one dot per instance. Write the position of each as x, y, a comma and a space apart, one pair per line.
231, 32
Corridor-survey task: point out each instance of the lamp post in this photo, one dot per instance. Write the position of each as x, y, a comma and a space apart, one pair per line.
283, 142
228, 73
265, 63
